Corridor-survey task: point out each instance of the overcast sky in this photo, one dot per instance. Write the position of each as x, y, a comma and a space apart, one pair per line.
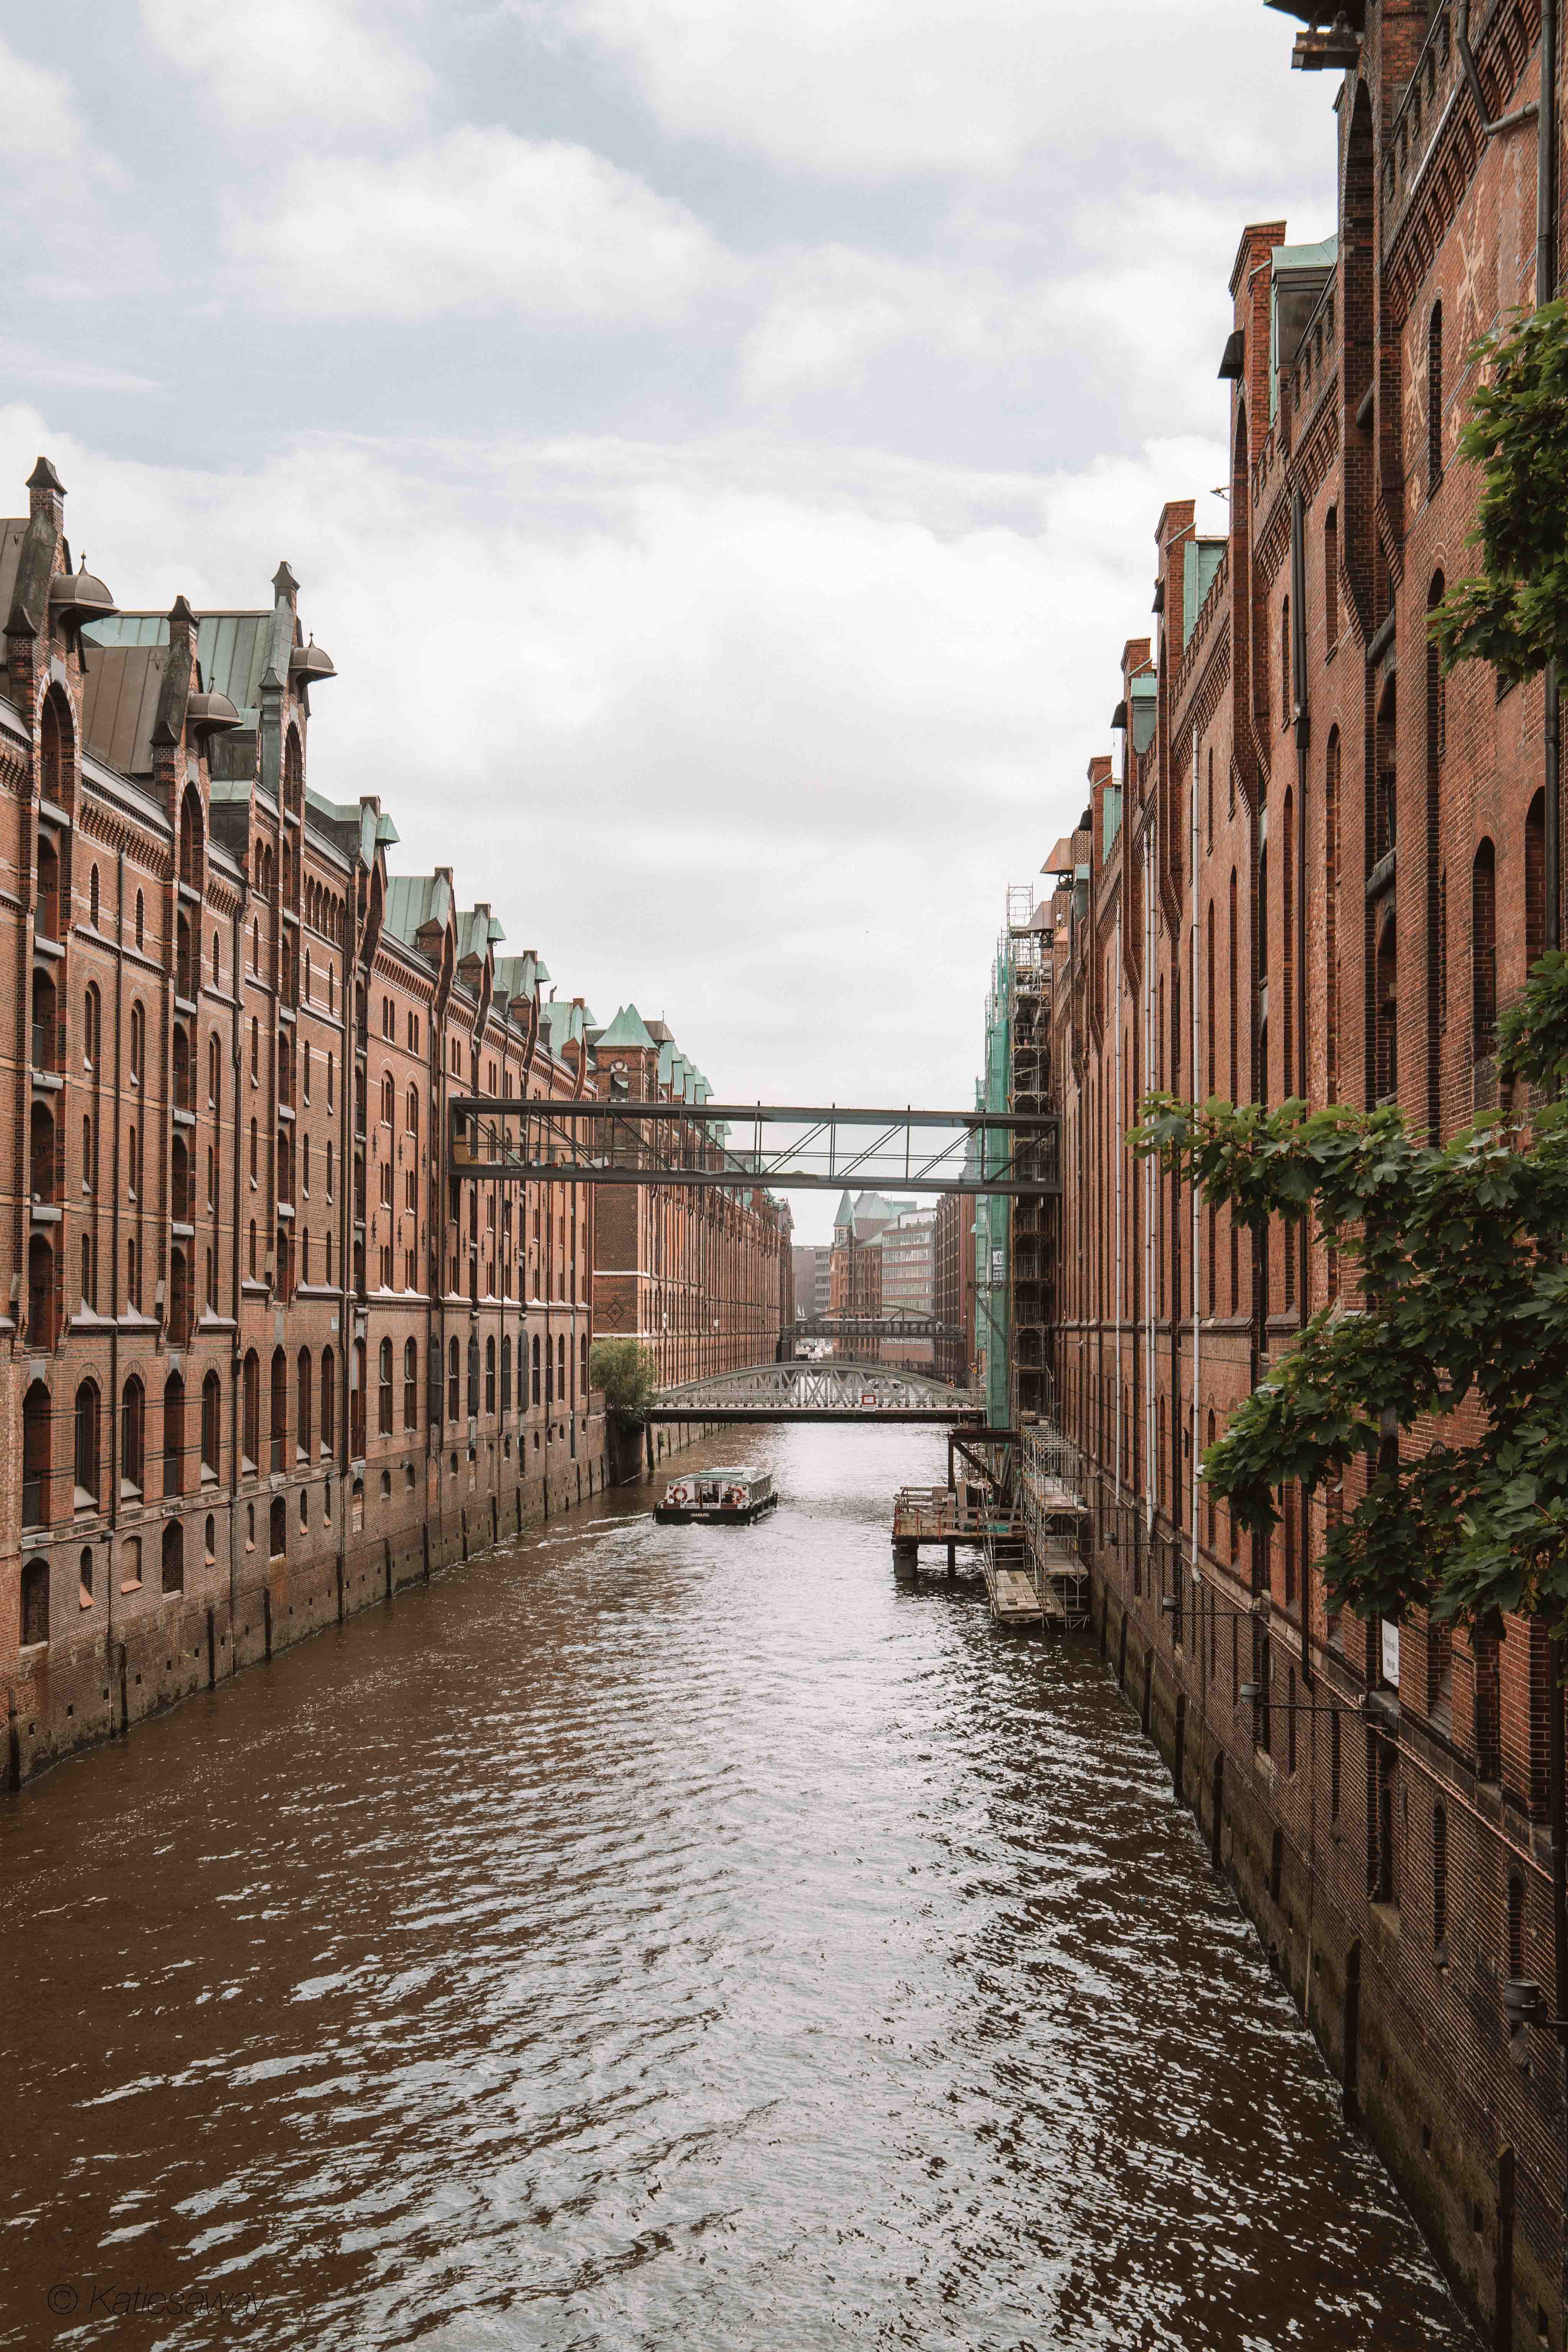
720, 442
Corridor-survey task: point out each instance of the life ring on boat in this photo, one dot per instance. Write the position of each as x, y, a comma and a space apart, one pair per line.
679, 1496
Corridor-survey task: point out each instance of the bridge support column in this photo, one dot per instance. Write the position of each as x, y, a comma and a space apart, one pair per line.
952, 1560
906, 1562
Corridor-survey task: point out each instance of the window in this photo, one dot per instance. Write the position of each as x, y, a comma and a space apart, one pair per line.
452, 1378
133, 1436
332, 1078
535, 1374
1535, 880
280, 1428
329, 1403
92, 898
1284, 712
173, 1434
473, 1378
303, 1415
388, 1102
490, 1376
140, 910
212, 1426
582, 1367
505, 1375
215, 1070
35, 1603
411, 1119
132, 1165
250, 1412
1483, 963
1440, 1876
87, 1444
138, 1043
91, 1024
1435, 399
255, 1049
410, 1385
383, 1397
84, 1573
561, 1367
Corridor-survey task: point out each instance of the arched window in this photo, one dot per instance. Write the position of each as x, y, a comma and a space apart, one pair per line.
280, 1429
215, 1070
549, 1373
278, 1528
1331, 576
1285, 662
384, 1398
41, 1154
93, 901
490, 1376
505, 1375
35, 1603
473, 1378
1435, 399
583, 1368
1483, 973
56, 746
356, 1401
255, 1151
328, 1404
452, 1379
191, 838
388, 1101
46, 1024
173, 1434
304, 1415
138, 1043
412, 1110
84, 1573
132, 1436
92, 1028
86, 1409
35, 1458
1439, 1875
534, 1391
1535, 880
250, 1412
212, 1426
47, 910
410, 1385
1386, 1010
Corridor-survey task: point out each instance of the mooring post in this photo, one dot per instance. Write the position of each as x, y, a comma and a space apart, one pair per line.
952, 1560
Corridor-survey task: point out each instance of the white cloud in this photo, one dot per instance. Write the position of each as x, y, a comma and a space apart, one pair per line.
870, 89
292, 61
43, 128
478, 221
753, 735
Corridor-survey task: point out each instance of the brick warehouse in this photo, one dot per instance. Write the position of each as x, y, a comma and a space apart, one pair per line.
266, 1364
1311, 866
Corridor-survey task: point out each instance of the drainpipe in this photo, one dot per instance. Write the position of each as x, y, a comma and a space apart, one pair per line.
1304, 740
1193, 980
1121, 1156
1150, 1468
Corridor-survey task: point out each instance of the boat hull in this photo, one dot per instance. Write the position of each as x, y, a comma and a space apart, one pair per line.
670, 1515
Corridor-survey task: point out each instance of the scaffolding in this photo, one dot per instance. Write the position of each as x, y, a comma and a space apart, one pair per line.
1031, 1255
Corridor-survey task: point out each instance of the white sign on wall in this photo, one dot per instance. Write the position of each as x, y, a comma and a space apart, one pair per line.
1391, 1652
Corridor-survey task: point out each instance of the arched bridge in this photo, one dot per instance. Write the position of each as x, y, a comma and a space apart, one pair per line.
818, 1391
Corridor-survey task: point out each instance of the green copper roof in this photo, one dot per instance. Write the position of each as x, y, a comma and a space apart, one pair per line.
627, 1030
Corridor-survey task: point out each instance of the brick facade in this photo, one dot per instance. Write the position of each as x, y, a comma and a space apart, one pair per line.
267, 1360
1311, 867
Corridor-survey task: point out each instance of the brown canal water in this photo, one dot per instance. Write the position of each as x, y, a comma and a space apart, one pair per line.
658, 1936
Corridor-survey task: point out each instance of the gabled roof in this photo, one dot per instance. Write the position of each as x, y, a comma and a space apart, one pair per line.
517, 977
476, 927
627, 1030
415, 899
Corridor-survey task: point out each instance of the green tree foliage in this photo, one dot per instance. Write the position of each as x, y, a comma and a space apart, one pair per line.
1458, 1299
624, 1370
1515, 614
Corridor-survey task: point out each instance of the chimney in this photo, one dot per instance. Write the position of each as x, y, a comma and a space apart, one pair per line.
47, 494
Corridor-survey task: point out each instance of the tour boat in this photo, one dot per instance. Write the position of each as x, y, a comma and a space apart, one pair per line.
716, 1498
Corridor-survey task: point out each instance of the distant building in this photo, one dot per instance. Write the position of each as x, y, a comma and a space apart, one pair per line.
813, 1264
907, 1247
953, 1290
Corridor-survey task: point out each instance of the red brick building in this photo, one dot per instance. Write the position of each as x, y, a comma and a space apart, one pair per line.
1311, 866
954, 1294
268, 1360
702, 1275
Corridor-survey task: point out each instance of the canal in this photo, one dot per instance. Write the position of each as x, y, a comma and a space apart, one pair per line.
658, 1936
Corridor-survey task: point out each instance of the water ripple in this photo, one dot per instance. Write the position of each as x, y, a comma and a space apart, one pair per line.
651, 1936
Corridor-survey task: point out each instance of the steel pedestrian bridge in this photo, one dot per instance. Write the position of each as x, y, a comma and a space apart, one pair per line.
818, 1391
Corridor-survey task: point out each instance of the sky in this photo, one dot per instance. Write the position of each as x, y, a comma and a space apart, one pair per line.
719, 445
